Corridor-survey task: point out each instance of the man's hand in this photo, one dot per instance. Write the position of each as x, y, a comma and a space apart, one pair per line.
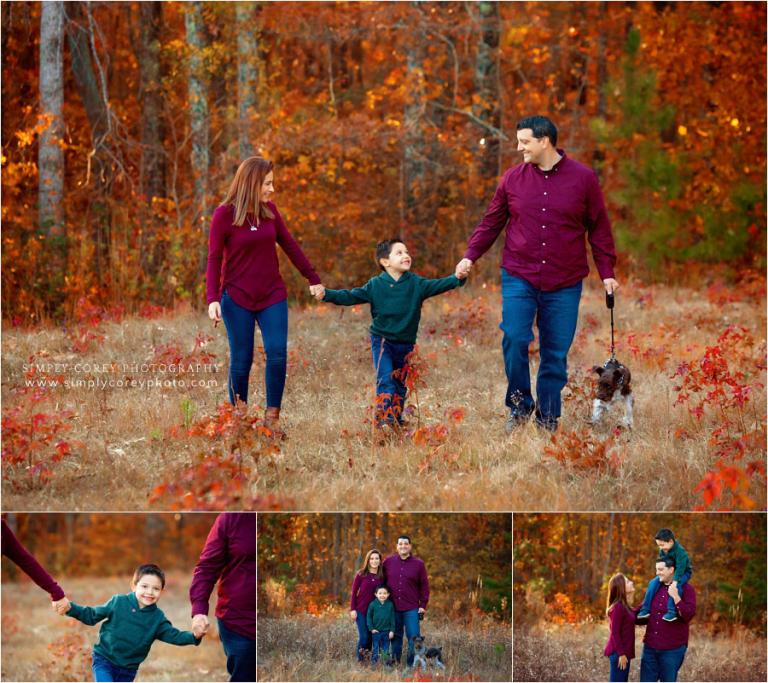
62, 606
610, 285
623, 661
421, 610
673, 592
391, 635
462, 268
200, 625
317, 291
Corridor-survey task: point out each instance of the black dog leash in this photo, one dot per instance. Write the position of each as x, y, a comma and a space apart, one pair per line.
609, 300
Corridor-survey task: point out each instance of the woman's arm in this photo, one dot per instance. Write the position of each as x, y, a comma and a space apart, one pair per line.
19, 555
220, 226
292, 249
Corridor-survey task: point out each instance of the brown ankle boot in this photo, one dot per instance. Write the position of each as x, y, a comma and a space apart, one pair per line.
272, 422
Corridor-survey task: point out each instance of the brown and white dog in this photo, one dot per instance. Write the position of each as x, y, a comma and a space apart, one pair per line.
613, 385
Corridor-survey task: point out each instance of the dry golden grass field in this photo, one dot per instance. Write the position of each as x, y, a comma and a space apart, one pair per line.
323, 649
121, 444
575, 653
39, 645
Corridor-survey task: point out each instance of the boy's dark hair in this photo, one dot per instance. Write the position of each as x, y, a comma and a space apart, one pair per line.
664, 535
541, 126
153, 569
384, 249
406, 537
668, 561
385, 587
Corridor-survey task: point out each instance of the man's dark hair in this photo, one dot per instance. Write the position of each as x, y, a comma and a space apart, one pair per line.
664, 535
145, 569
541, 126
407, 538
668, 561
384, 249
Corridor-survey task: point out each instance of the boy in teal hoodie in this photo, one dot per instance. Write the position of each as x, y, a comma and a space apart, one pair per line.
380, 619
668, 547
133, 623
395, 296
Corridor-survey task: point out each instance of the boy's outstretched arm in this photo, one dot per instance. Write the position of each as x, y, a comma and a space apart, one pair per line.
91, 615
439, 286
349, 297
168, 633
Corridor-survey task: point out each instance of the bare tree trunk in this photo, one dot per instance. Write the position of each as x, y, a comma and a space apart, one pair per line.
486, 108
247, 75
50, 153
198, 111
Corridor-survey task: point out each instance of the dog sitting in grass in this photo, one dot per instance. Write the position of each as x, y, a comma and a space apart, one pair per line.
613, 386
423, 655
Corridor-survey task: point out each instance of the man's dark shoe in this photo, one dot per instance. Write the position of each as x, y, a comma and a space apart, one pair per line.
514, 420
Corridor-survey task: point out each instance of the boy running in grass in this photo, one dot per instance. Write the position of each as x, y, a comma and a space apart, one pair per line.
381, 623
395, 296
668, 547
133, 623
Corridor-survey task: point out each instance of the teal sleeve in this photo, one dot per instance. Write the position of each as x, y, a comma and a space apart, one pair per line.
349, 297
434, 287
682, 562
92, 615
369, 615
168, 633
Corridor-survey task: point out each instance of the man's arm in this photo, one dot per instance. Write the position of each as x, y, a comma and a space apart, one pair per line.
599, 234
423, 588
212, 561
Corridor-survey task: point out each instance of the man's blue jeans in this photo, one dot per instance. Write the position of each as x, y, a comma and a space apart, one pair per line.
241, 328
380, 644
389, 361
556, 314
363, 634
240, 652
661, 665
408, 620
104, 670
653, 586
618, 674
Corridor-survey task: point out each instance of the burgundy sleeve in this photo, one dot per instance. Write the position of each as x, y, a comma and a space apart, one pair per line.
355, 587
19, 555
627, 633
292, 249
217, 238
212, 561
599, 230
492, 223
686, 608
423, 587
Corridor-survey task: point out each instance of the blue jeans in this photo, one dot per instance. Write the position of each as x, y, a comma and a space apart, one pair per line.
240, 652
389, 361
104, 670
661, 665
241, 328
556, 314
653, 586
408, 620
618, 674
363, 634
380, 643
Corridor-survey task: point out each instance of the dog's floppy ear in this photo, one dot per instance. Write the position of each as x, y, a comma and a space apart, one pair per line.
598, 369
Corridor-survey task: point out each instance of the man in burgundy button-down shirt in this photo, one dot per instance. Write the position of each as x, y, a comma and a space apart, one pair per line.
665, 642
406, 577
548, 204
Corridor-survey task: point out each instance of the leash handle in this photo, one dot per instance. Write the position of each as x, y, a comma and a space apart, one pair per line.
609, 300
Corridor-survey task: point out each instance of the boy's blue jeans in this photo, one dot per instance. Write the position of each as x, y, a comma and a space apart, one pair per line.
556, 314
408, 620
380, 643
653, 586
661, 665
618, 674
241, 654
241, 328
388, 359
363, 634
104, 670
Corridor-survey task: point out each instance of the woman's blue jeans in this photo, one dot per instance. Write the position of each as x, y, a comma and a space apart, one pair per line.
556, 314
241, 328
389, 362
240, 652
363, 634
104, 670
407, 620
618, 674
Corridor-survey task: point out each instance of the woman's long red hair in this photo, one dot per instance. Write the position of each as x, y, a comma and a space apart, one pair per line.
617, 592
245, 191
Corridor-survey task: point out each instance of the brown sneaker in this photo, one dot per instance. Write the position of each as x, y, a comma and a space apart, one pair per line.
272, 422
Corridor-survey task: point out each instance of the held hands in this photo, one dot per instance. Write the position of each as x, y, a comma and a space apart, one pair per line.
200, 625
317, 291
623, 662
61, 607
214, 312
610, 285
462, 268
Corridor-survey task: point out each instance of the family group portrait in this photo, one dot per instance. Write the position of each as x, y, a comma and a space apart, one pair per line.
109, 597
272, 245
640, 597
384, 597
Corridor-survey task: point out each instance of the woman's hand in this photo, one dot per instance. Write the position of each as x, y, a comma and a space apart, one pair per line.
353, 615
200, 625
623, 661
317, 291
62, 606
391, 635
214, 312
462, 268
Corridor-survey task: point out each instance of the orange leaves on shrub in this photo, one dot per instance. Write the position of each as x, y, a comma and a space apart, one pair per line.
583, 450
172, 353
562, 611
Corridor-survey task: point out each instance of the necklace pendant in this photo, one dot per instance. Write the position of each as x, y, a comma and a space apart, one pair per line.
254, 228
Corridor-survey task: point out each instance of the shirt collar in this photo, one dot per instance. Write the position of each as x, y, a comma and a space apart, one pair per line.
557, 165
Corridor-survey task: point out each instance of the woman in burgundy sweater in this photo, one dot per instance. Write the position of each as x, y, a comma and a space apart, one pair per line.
364, 586
621, 618
244, 232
